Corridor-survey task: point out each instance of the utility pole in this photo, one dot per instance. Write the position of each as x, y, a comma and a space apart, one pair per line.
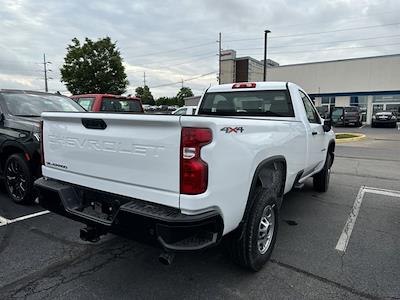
219, 57
265, 53
182, 82
45, 72
144, 79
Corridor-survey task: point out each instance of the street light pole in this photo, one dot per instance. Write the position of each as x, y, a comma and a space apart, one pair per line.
265, 53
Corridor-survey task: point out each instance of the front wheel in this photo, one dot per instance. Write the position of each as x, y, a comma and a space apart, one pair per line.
321, 179
19, 179
252, 246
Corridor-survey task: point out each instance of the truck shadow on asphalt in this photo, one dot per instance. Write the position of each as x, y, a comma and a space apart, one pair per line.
118, 267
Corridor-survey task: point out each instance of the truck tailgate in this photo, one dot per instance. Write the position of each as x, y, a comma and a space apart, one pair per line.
132, 155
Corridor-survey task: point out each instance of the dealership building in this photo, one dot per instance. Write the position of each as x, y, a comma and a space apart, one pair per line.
371, 83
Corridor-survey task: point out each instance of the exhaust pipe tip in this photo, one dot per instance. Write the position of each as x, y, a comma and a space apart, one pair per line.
166, 258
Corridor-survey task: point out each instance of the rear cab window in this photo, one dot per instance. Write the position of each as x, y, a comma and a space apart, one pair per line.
267, 103
86, 102
121, 105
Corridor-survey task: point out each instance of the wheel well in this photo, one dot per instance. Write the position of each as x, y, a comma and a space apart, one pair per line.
331, 151
6, 152
263, 177
272, 174
331, 147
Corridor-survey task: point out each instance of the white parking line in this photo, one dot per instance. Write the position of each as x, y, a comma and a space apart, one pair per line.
4, 221
390, 193
348, 227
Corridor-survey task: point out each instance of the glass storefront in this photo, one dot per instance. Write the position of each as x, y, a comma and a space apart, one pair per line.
362, 103
386, 102
379, 103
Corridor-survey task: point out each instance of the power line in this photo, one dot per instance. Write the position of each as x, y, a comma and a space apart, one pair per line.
332, 49
316, 33
174, 50
183, 80
172, 65
327, 21
176, 59
320, 43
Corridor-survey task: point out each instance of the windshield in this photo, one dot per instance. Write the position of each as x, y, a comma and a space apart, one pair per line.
273, 103
120, 105
32, 105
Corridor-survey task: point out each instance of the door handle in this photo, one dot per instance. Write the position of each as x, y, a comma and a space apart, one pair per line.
314, 133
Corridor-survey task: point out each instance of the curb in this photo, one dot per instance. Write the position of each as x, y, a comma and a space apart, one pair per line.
358, 137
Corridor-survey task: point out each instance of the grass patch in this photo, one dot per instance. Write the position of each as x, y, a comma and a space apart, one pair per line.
345, 135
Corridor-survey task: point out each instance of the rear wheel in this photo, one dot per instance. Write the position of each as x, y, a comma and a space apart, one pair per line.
321, 179
252, 245
18, 179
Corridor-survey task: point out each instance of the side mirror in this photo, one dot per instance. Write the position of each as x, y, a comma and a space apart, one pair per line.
327, 126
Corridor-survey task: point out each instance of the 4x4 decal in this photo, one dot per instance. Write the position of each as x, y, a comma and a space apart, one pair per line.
232, 129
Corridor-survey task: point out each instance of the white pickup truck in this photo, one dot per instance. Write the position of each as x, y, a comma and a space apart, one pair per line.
185, 182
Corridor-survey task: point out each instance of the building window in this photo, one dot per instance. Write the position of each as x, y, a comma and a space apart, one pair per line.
328, 100
386, 98
354, 101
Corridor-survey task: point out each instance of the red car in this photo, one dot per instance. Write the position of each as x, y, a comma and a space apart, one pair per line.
109, 103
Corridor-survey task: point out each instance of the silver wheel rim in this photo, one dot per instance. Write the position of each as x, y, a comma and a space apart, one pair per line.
266, 229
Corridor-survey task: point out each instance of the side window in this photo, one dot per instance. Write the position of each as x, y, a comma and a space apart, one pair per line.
312, 114
86, 103
181, 111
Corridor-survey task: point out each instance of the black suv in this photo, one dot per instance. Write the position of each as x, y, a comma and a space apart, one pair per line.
350, 115
20, 162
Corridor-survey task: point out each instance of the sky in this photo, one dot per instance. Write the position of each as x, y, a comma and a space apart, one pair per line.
171, 41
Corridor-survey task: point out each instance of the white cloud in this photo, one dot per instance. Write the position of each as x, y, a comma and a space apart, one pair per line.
31, 28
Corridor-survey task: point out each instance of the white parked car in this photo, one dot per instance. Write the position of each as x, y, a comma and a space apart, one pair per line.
186, 182
185, 110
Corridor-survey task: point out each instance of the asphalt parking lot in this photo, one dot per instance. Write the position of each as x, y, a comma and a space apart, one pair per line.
341, 244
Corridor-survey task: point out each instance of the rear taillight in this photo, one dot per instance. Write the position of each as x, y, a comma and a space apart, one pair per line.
41, 143
194, 171
244, 85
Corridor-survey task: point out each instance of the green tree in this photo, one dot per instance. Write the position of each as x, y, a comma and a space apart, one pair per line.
93, 67
162, 101
183, 93
145, 95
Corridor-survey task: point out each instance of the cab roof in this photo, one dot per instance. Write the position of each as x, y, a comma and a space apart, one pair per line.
106, 95
268, 85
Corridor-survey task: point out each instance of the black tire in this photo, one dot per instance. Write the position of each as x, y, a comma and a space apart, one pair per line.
18, 179
373, 125
394, 125
321, 179
243, 244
